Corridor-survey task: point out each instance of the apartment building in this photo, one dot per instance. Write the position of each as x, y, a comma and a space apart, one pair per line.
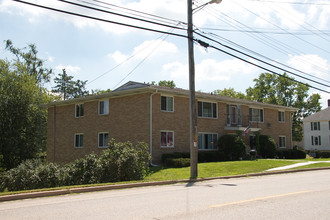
159, 116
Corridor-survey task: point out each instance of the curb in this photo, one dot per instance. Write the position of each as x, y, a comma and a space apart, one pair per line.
143, 184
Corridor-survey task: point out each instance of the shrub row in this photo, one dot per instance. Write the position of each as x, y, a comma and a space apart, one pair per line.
203, 156
291, 154
120, 162
320, 154
177, 162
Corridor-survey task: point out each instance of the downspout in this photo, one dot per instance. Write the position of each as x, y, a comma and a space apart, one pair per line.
150, 127
291, 126
54, 133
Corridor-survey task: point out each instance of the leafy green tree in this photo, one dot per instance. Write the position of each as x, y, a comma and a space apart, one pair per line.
22, 121
34, 66
69, 88
273, 89
166, 83
230, 93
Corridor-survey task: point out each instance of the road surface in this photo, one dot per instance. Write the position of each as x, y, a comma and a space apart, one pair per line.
304, 195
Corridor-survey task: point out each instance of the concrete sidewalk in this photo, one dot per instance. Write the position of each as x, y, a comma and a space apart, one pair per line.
296, 165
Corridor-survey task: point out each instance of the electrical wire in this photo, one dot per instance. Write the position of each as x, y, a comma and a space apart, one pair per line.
257, 59
125, 16
203, 44
100, 19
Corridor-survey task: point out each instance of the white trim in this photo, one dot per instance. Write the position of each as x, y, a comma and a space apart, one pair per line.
217, 108
98, 139
75, 110
167, 131
105, 108
74, 140
161, 102
279, 143
283, 116
212, 133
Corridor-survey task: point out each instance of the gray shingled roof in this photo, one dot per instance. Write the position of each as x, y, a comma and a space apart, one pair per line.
323, 115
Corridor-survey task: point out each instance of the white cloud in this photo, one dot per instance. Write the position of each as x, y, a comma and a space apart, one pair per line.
312, 64
153, 48
209, 70
71, 70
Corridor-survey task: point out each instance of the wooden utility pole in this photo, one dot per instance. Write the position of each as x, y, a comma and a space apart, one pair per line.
192, 102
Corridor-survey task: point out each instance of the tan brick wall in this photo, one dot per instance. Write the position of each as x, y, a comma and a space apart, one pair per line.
128, 120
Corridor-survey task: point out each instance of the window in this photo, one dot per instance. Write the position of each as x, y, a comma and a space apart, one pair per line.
256, 115
233, 115
167, 104
79, 110
282, 141
103, 139
104, 107
316, 140
315, 126
167, 139
207, 110
281, 116
78, 140
207, 141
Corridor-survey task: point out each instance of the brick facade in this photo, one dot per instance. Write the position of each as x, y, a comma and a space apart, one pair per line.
129, 120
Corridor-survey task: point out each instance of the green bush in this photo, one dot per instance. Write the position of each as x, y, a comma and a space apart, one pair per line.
177, 162
267, 147
31, 174
175, 155
120, 162
292, 154
321, 154
208, 156
82, 171
123, 161
232, 147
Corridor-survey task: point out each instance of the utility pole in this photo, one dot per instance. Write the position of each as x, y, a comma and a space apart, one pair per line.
192, 100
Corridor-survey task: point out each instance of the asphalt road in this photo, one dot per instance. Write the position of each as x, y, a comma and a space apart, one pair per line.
304, 195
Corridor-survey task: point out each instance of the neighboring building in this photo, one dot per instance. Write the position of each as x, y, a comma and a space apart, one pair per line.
317, 130
159, 116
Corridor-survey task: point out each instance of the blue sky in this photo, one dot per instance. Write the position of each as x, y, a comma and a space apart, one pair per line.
293, 33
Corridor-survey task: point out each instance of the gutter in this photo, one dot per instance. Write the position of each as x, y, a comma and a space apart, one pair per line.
150, 127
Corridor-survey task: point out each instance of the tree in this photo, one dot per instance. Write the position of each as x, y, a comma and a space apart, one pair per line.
22, 121
285, 91
166, 83
68, 87
34, 66
230, 93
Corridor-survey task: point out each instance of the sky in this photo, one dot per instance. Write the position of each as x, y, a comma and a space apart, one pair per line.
291, 34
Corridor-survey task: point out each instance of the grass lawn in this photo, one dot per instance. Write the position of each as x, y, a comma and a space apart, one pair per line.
217, 169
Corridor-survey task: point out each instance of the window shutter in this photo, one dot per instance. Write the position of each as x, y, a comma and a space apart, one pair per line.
320, 140
313, 140
163, 103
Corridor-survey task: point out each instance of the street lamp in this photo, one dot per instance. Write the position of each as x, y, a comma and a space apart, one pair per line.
192, 101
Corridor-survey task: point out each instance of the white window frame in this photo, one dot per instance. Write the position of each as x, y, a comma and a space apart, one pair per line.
281, 116
251, 119
167, 146
280, 142
105, 145
212, 109
81, 145
200, 141
75, 110
105, 107
316, 140
166, 105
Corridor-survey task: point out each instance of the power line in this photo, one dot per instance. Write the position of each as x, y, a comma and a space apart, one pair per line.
125, 16
100, 19
257, 59
203, 44
293, 3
